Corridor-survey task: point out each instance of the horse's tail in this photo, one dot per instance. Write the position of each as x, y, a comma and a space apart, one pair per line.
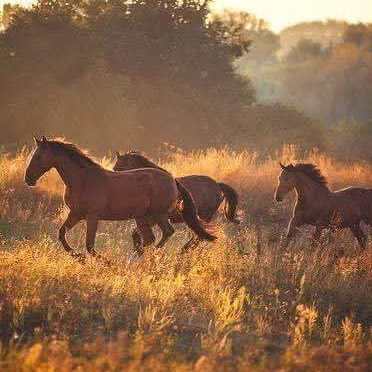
231, 202
190, 216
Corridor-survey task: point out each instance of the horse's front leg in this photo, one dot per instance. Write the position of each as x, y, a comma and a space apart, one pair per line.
136, 238
92, 225
192, 243
293, 227
166, 229
317, 234
147, 236
359, 234
71, 220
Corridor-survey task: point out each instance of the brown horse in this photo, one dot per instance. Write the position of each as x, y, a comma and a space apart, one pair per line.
94, 193
317, 205
206, 192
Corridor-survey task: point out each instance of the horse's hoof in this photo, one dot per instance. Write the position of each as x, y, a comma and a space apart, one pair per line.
104, 260
107, 263
79, 256
134, 257
340, 253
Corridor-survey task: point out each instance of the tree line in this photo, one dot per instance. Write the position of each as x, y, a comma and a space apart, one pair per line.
136, 74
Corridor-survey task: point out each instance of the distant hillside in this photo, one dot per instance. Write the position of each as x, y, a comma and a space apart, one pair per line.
322, 32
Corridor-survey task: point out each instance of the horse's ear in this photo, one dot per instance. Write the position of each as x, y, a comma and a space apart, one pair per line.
37, 141
291, 167
118, 154
282, 166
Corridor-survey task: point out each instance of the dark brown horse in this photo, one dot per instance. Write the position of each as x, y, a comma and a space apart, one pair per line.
206, 192
94, 193
317, 205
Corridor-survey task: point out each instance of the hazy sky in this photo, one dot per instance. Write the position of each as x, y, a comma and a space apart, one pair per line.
282, 13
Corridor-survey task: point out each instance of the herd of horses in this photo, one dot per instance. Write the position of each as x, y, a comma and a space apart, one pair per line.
138, 189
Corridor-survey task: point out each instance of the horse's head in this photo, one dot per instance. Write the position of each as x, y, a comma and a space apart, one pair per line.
287, 182
42, 160
127, 161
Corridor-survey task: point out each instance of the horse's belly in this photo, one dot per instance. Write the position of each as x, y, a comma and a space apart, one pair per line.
345, 212
116, 217
125, 208
335, 219
344, 218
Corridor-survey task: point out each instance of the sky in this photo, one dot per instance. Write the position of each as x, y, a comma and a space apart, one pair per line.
283, 13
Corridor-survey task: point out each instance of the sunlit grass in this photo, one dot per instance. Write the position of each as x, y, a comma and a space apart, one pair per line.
242, 303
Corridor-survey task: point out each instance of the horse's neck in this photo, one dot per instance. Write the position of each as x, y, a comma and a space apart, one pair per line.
70, 172
310, 192
150, 164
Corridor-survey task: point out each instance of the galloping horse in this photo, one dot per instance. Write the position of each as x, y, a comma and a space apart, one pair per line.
206, 192
317, 205
94, 193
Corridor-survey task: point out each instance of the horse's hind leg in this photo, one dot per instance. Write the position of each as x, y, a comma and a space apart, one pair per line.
71, 221
92, 225
166, 229
293, 226
147, 236
192, 243
317, 234
136, 238
359, 234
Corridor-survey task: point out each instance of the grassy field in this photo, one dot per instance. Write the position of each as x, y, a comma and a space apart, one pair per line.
243, 303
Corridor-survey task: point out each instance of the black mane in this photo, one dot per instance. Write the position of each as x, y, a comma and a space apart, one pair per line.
74, 153
313, 172
142, 161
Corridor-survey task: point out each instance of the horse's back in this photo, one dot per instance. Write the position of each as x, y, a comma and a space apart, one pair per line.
160, 181
353, 193
152, 190
356, 202
128, 181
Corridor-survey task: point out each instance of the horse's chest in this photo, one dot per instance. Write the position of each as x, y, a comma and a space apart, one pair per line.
317, 217
77, 201
68, 198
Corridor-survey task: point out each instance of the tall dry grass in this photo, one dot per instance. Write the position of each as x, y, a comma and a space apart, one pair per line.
241, 304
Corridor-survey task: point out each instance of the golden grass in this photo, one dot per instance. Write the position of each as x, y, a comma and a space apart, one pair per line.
241, 304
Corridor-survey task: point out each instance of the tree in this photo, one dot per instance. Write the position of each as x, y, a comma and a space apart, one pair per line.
252, 32
304, 51
139, 72
359, 34
6, 14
